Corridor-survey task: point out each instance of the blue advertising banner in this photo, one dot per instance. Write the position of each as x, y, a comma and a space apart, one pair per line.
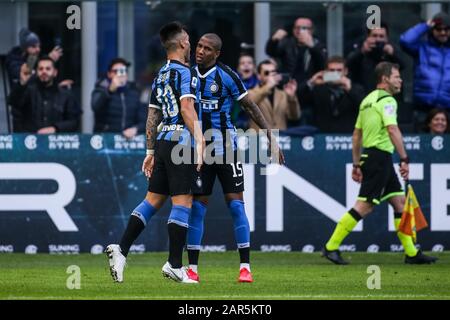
74, 193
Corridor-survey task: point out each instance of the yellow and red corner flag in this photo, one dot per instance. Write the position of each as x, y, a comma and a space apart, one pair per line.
413, 219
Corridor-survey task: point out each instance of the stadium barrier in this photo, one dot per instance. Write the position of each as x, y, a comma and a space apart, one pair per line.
74, 193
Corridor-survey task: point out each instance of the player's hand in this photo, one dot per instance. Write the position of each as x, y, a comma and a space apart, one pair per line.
147, 165
404, 170
357, 174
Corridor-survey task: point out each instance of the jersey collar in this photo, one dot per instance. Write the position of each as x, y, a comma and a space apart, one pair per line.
206, 74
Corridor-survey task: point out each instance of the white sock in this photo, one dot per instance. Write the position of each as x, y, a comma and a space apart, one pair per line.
245, 265
193, 267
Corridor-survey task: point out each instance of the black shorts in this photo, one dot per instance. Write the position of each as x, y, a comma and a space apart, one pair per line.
231, 176
380, 181
173, 179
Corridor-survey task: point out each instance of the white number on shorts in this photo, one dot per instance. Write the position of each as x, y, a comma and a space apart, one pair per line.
237, 168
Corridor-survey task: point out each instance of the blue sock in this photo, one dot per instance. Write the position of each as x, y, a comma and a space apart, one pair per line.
144, 211
180, 216
195, 231
241, 225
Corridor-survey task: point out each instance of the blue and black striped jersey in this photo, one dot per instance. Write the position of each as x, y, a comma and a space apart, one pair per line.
174, 82
217, 89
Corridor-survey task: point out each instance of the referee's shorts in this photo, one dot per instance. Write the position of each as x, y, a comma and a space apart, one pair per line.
380, 181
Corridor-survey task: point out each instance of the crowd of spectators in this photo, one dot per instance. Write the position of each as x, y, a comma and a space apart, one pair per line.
298, 86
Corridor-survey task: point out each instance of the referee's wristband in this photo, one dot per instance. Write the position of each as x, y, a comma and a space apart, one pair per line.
405, 160
150, 152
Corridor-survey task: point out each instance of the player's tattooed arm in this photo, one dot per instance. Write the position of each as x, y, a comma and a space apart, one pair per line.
154, 118
256, 115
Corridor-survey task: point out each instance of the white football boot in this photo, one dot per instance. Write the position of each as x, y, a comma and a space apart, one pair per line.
117, 261
176, 274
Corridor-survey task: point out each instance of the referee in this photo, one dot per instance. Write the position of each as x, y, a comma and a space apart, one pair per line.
377, 132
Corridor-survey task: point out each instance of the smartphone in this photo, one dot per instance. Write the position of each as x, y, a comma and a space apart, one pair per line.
331, 76
58, 42
31, 62
121, 71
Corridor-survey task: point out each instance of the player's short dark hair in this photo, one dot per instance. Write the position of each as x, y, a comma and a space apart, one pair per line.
169, 33
215, 39
46, 58
335, 59
267, 61
384, 69
383, 25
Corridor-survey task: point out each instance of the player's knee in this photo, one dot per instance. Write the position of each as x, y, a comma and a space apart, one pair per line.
179, 215
198, 209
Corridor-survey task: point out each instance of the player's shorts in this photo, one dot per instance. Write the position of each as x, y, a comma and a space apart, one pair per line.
231, 176
173, 179
380, 181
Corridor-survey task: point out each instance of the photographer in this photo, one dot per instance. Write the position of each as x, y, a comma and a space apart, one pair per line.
334, 97
276, 96
376, 48
116, 104
39, 105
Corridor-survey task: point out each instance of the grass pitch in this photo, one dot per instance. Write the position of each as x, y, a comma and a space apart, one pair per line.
277, 276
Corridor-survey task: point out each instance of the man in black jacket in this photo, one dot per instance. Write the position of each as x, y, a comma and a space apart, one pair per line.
116, 103
30, 46
39, 105
334, 97
376, 48
301, 55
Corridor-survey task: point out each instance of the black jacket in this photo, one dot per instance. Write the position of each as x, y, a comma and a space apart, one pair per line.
300, 62
334, 109
14, 60
35, 106
115, 112
361, 66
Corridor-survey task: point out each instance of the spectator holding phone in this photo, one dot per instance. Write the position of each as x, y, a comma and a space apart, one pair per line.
27, 53
276, 96
376, 48
116, 102
432, 64
334, 97
300, 54
39, 105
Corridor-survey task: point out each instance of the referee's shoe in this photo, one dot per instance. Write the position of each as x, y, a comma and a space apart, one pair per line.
420, 258
334, 256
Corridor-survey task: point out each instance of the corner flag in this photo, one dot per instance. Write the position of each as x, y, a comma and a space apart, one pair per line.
413, 219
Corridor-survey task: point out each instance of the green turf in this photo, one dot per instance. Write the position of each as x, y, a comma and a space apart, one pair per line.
277, 276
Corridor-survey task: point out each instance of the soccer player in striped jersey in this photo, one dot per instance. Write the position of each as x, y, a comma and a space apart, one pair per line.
172, 102
218, 88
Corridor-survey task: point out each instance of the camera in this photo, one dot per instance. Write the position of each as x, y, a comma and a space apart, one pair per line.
285, 78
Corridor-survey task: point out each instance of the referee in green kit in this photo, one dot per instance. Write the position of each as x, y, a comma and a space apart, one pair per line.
377, 132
